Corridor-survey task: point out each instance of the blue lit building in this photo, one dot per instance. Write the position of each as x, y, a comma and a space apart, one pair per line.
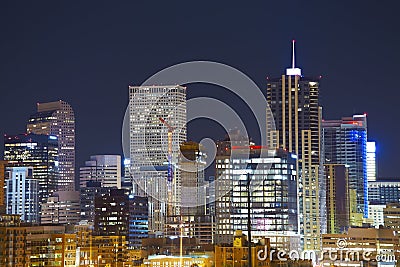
21, 192
119, 213
138, 220
345, 142
39, 152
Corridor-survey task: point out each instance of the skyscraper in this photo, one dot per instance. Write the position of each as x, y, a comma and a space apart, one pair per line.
274, 208
105, 169
337, 198
192, 164
345, 142
294, 103
22, 194
58, 119
39, 152
149, 145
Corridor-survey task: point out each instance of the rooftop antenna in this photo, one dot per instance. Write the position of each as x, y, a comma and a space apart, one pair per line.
293, 56
293, 70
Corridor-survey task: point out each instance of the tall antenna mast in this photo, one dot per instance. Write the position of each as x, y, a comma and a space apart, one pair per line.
293, 70
293, 56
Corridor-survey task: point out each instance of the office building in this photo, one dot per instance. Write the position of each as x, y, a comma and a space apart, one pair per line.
371, 161
192, 164
375, 213
22, 194
112, 213
337, 198
192, 221
105, 169
88, 195
294, 103
274, 205
138, 221
63, 207
384, 191
39, 152
121, 214
58, 119
391, 216
345, 142
156, 112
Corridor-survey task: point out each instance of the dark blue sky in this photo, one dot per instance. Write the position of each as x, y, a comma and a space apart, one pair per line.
88, 52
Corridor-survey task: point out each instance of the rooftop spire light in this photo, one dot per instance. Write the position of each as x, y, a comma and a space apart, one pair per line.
293, 70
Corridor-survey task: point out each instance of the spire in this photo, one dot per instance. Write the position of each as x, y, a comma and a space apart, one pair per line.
293, 56
293, 70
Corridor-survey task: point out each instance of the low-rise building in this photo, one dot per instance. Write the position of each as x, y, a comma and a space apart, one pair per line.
361, 247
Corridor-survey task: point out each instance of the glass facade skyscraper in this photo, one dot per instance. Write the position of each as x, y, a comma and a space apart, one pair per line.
39, 152
58, 119
274, 202
345, 142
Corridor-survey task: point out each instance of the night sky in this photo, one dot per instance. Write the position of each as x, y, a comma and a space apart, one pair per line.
88, 52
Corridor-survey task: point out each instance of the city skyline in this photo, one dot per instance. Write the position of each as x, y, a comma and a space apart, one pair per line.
94, 54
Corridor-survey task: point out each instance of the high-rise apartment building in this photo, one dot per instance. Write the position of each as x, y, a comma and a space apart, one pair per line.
149, 145
345, 142
105, 169
337, 198
22, 194
273, 196
294, 103
58, 119
384, 191
39, 152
